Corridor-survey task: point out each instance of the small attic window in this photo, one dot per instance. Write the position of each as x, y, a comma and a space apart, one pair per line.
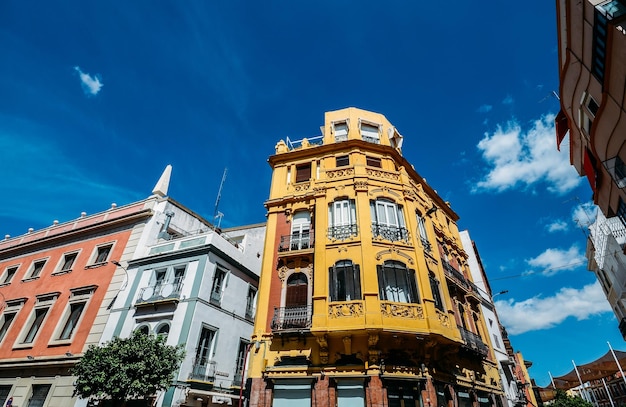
341, 131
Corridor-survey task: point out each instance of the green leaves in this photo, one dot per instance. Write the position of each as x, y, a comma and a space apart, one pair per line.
564, 400
130, 368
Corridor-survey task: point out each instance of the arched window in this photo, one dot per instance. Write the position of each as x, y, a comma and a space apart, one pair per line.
163, 330
345, 281
397, 283
144, 329
297, 291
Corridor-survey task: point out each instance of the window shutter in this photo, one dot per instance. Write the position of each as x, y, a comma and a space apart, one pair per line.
413, 285
356, 278
381, 282
373, 212
352, 212
332, 283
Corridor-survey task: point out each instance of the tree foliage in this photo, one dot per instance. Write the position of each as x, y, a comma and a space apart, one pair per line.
129, 368
562, 399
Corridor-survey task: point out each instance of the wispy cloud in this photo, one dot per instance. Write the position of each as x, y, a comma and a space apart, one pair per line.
557, 225
91, 84
523, 158
539, 313
553, 261
484, 108
508, 100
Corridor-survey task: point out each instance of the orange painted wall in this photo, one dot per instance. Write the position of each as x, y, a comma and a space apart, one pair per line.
48, 283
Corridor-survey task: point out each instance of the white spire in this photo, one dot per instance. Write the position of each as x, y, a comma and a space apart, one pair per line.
163, 184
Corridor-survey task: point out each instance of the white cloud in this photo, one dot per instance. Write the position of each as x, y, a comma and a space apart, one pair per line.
553, 261
91, 84
538, 313
525, 158
558, 225
484, 109
508, 100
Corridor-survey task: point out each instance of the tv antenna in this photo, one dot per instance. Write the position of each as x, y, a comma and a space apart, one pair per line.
216, 212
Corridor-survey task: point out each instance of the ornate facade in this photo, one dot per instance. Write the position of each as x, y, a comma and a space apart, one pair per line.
365, 296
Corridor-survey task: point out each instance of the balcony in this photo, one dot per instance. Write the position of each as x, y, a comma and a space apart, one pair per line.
392, 233
474, 342
160, 292
297, 241
455, 275
291, 318
203, 371
342, 232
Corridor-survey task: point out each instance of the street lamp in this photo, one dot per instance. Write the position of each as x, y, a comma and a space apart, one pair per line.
499, 293
118, 264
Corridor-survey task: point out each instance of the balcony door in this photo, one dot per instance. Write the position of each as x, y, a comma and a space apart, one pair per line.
297, 291
301, 230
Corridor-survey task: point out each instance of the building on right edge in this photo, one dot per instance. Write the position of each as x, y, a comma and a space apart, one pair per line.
592, 74
365, 295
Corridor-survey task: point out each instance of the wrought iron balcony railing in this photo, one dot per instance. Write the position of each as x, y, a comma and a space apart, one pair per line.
203, 370
160, 291
388, 232
455, 274
343, 232
297, 241
287, 318
474, 342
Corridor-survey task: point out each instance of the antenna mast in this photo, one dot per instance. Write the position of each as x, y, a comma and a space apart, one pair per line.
217, 213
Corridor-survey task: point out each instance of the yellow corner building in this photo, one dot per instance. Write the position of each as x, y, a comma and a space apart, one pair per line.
365, 296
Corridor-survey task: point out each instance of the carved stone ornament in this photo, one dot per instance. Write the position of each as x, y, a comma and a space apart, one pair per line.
443, 319
352, 309
394, 250
282, 273
344, 172
412, 311
360, 185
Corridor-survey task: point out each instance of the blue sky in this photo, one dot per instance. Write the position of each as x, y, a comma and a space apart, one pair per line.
98, 97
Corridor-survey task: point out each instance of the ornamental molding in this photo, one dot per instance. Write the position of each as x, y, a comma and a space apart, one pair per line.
382, 174
350, 310
343, 172
409, 311
284, 272
394, 250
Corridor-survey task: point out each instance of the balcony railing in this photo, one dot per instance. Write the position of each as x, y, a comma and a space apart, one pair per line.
288, 318
388, 232
474, 342
297, 241
203, 370
455, 274
342, 232
160, 291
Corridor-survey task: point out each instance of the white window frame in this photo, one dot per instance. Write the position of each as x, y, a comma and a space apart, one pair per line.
251, 301
79, 295
5, 274
585, 115
342, 213
59, 268
339, 133
161, 326
223, 285
94, 256
366, 131
31, 269
44, 302
12, 307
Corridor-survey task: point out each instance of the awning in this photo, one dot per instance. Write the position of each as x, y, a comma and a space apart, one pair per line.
561, 125
602, 367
